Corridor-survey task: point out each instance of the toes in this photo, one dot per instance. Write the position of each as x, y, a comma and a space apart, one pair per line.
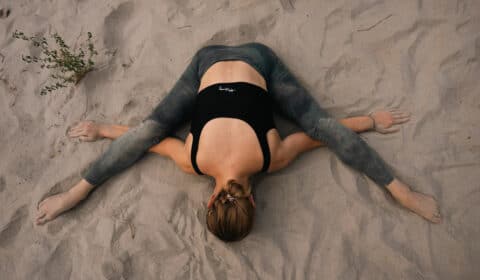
40, 215
43, 220
437, 218
42, 202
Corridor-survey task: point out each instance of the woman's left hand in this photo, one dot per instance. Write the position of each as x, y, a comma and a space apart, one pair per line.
383, 121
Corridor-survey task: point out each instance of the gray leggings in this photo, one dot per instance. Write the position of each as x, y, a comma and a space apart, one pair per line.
291, 97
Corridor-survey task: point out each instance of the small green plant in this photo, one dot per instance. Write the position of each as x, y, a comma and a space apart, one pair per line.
68, 65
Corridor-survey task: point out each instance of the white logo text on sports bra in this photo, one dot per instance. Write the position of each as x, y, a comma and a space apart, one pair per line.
226, 89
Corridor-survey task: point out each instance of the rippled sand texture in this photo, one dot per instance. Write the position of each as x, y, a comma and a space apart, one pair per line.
317, 219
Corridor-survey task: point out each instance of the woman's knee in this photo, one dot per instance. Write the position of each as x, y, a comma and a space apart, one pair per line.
147, 133
353, 151
348, 146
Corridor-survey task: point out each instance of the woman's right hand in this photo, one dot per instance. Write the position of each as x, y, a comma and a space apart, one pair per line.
384, 121
88, 131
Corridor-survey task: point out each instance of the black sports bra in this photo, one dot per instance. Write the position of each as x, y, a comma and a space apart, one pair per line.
239, 100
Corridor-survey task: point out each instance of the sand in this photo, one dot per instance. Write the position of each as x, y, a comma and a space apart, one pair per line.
317, 219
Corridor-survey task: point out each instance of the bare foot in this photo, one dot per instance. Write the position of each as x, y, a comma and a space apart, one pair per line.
422, 204
53, 206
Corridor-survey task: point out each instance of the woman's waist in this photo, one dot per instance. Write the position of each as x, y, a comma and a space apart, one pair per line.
255, 59
231, 72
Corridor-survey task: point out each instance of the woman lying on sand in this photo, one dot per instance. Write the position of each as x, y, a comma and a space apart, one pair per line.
228, 93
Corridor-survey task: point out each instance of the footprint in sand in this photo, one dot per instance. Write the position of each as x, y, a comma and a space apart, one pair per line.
182, 223
3, 184
288, 5
121, 268
115, 23
10, 230
59, 263
244, 32
111, 270
4, 12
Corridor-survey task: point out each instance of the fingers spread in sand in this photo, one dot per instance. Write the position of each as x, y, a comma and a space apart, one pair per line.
85, 131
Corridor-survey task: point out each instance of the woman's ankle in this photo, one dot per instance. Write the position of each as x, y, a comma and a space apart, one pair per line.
399, 190
80, 191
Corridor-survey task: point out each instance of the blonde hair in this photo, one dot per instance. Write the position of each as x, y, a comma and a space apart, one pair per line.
231, 216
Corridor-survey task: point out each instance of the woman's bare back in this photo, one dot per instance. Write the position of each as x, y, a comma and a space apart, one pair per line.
228, 143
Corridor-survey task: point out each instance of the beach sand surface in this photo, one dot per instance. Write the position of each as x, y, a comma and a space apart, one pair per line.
317, 219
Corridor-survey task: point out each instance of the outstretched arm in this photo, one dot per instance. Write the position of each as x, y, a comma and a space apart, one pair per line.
286, 150
170, 147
